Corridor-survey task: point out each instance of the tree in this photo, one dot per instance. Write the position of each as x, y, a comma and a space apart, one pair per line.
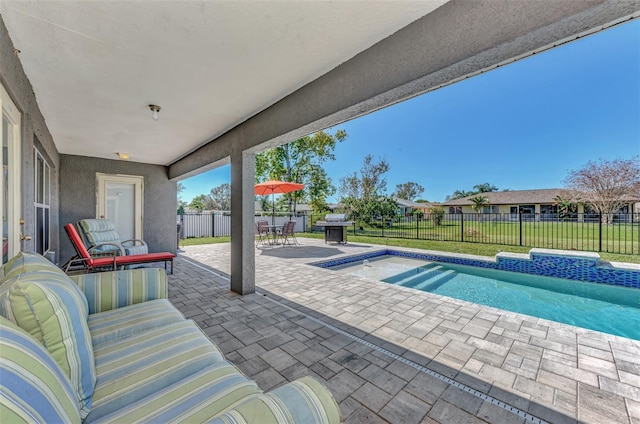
221, 197
566, 208
408, 190
199, 203
459, 194
485, 188
363, 194
478, 203
301, 162
180, 188
479, 188
436, 215
605, 185
369, 183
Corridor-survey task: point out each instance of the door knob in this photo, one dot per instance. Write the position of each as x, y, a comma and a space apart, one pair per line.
25, 238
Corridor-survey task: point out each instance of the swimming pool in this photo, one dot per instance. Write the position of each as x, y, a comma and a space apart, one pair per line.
607, 308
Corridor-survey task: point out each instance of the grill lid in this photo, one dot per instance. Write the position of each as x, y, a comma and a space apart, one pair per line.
335, 217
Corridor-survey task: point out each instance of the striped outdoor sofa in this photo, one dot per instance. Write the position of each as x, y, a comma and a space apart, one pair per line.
110, 347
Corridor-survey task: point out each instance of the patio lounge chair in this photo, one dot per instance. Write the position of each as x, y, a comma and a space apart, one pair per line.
111, 262
101, 236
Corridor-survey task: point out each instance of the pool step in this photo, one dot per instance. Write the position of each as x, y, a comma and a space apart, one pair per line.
420, 276
436, 281
396, 279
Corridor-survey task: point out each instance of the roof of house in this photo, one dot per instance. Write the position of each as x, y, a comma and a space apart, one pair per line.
513, 197
411, 204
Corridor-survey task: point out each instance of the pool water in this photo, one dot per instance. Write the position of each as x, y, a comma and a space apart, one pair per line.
601, 307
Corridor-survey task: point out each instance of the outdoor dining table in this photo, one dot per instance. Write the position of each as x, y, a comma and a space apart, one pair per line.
273, 229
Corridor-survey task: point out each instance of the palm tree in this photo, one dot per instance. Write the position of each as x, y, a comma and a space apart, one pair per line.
459, 194
478, 203
485, 188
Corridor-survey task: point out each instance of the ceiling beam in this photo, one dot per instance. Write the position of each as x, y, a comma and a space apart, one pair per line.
456, 41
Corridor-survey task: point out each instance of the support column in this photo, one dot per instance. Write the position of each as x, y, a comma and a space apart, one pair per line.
243, 254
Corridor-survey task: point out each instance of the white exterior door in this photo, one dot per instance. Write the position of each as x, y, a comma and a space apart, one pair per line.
10, 176
119, 199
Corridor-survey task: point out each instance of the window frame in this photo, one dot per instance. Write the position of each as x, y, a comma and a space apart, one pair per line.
42, 234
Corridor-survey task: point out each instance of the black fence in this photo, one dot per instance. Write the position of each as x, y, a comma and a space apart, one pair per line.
615, 233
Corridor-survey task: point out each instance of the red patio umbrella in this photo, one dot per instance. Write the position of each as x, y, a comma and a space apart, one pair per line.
272, 187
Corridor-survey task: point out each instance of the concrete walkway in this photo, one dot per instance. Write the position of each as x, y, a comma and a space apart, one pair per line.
393, 354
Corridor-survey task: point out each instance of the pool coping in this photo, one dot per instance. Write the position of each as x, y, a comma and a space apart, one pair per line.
570, 265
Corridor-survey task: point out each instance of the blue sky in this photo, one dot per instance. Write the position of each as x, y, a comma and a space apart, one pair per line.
521, 126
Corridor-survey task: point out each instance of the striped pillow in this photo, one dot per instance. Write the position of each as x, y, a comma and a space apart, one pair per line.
50, 307
25, 262
33, 388
136, 250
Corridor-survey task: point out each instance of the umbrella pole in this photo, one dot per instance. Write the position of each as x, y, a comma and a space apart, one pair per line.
273, 213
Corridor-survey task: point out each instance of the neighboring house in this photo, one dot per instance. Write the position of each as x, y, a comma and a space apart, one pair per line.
526, 202
301, 209
407, 207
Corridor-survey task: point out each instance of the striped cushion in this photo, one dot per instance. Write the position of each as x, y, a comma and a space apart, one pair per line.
33, 388
135, 367
193, 399
50, 307
130, 320
136, 250
110, 290
96, 231
302, 401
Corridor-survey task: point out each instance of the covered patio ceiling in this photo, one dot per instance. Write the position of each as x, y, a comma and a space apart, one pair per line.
96, 66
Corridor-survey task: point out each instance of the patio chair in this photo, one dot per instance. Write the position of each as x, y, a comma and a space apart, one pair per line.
110, 262
263, 233
287, 233
100, 235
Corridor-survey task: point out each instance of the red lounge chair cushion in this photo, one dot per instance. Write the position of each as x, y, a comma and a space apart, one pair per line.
147, 257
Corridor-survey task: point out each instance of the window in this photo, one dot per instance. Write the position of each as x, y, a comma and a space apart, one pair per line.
548, 212
527, 212
42, 177
527, 209
548, 209
490, 209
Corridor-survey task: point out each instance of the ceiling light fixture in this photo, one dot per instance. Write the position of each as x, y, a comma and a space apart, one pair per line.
123, 156
155, 109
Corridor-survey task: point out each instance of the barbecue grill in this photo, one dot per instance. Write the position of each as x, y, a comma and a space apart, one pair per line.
335, 227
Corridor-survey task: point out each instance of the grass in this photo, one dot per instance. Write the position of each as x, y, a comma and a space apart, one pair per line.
622, 238
481, 249
195, 241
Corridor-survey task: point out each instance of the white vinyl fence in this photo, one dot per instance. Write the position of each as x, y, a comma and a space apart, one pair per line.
219, 224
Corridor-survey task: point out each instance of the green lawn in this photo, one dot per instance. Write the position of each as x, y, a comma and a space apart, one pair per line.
195, 241
616, 238
482, 249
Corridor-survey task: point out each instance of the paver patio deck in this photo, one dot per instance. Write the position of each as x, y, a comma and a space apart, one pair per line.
552, 371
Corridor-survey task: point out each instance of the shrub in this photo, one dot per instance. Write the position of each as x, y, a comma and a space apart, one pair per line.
436, 215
